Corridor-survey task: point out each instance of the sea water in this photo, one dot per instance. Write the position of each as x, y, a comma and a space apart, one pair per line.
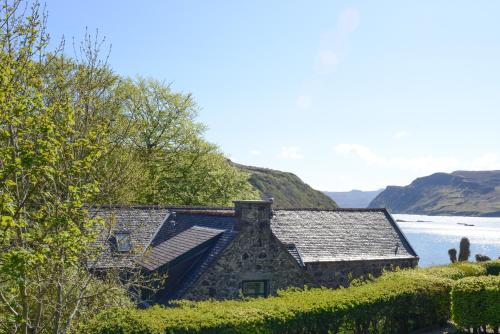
432, 236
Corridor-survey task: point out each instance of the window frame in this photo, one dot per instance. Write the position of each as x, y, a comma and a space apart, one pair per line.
265, 292
120, 236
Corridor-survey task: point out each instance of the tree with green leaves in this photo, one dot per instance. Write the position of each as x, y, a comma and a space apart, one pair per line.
74, 135
47, 168
96, 95
179, 166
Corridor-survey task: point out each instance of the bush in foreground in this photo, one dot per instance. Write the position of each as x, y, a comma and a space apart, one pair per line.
456, 270
397, 302
492, 267
475, 303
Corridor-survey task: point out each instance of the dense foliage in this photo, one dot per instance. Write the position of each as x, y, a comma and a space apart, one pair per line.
55, 131
475, 302
492, 267
456, 271
397, 302
168, 161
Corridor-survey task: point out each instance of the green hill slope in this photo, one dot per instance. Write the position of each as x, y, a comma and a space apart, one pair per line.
465, 193
287, 189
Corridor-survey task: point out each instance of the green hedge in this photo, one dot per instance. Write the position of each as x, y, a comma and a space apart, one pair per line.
456, 270
476, 301
397, 302
492, 267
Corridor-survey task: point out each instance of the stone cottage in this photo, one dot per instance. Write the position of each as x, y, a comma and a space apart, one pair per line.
251, 249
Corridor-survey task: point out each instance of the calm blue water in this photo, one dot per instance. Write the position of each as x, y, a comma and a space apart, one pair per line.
432, 236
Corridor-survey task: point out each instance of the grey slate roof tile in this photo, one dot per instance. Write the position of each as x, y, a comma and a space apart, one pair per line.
178, 246
341, 235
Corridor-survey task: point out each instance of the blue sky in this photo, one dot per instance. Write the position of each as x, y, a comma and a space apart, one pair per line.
346, 94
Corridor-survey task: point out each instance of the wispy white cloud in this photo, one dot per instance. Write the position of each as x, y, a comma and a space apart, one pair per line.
421, 163
304, 101
255, 152
348, 21
334, 43
431, 164
400, 134
290, 152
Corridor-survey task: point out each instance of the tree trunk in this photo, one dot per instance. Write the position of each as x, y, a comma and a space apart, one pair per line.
25, 306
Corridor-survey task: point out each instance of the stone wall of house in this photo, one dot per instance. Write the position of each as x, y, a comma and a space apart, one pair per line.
254, 254
335, 274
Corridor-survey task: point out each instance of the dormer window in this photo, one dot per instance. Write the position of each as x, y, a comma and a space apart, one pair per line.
123, 242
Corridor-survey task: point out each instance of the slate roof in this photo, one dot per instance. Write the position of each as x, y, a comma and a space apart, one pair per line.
184, 219
178, 246
341, 235
142, 223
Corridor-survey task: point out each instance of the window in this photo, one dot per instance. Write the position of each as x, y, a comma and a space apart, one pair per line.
255, 288
123, 241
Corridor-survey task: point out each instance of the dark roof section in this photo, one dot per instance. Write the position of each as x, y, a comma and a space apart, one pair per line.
142, 224
181, 220
178, 247
341, 235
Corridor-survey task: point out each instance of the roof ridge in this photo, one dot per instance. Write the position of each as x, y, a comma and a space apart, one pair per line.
224, 210
206, 212
334, 210
164, 207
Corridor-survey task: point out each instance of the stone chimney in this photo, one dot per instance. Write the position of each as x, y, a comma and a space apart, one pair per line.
257, 213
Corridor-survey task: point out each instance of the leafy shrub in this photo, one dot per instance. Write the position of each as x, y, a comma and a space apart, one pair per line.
476, 302
455, 270
492, 267
482, 258
397, 302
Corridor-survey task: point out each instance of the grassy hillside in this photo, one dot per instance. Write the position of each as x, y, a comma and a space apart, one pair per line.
288, 190
465, 193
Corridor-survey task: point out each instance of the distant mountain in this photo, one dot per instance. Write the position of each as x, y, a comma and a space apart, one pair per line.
287, 189
465, 193
353, 198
